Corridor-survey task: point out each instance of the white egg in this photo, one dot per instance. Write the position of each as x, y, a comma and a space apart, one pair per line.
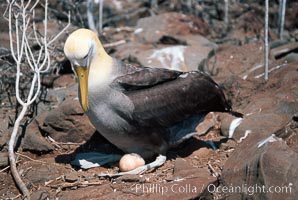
130, 162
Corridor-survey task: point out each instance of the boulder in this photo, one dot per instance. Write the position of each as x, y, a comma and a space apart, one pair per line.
266, 156
64, 81
240, 60
272, 166
177, 38
246, 60
152, 29
33, 140
68, 123
175, 57
268, 109
58, 95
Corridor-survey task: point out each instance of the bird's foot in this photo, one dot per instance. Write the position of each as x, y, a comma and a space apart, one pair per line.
160, 160
94, 159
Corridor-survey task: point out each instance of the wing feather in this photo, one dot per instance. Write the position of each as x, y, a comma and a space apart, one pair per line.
144, 77
164, 97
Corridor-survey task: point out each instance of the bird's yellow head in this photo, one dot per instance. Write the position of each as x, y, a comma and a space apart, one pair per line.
80, 48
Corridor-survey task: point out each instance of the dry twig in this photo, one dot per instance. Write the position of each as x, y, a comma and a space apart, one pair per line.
30, 158
213, 171
75, 184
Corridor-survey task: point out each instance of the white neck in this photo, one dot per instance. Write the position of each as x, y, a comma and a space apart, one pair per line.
101, 67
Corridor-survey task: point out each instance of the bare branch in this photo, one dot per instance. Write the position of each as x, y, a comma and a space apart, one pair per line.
226, 17
17, 36
281, 17
34, 5
91, 23
100, 4
29, 56
12, 160
266, 46
30, 99
62, 31
10, 33
46, 60
34, 30
40, 54
22, 20
27, 5
45, 26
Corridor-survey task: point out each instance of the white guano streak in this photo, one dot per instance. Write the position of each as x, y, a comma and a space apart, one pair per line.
174, 55
271, 138
234, 124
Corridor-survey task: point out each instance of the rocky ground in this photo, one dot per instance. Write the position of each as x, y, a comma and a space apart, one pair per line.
258, 156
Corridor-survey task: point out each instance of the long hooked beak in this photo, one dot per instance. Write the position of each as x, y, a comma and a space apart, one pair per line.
82, 73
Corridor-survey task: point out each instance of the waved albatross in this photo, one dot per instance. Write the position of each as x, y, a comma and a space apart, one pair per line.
140, 110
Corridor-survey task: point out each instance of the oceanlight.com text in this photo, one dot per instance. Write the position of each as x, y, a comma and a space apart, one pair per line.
249, 189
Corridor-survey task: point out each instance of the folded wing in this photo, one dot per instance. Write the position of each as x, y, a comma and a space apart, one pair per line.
164, 97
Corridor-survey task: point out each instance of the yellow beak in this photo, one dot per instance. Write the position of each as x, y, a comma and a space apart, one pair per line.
82, 73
